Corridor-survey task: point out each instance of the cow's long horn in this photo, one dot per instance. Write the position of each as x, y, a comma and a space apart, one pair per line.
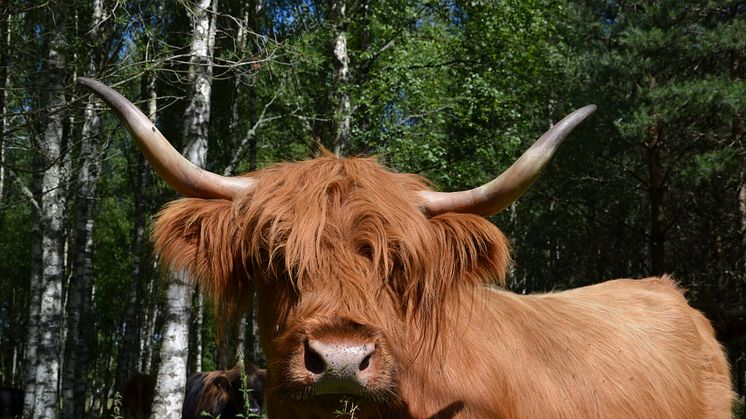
181, 174
493, 197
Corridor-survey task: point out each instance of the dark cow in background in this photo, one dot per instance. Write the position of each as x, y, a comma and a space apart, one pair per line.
137, 397
377, 296
11, 402
220, 394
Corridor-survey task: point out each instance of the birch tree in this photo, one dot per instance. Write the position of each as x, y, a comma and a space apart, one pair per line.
34, 297
340, 89
53, 205
5, 33
174, 350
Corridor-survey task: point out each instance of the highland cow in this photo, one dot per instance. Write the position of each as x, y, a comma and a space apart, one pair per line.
377, 296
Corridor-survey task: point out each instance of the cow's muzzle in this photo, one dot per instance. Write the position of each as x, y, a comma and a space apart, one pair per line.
340, 367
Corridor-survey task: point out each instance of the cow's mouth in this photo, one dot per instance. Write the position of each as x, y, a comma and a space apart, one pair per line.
330, 395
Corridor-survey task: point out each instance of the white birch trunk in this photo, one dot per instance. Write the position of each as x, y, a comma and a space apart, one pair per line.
195, 346
340, 96
32, 325
53, 208
5, 80
171, 380
174, 352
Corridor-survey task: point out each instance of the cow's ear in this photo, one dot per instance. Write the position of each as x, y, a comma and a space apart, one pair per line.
200, 236
474, 250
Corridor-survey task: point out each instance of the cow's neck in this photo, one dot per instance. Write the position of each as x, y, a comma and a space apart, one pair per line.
464, 354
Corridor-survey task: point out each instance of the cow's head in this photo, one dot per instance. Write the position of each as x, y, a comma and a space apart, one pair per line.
354, 265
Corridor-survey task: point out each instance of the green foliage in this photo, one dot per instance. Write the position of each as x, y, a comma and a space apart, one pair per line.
246, 391
643, 63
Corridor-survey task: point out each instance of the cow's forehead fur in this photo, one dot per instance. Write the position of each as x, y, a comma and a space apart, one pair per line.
347, 219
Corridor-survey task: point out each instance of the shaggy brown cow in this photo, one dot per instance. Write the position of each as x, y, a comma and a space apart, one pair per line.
220, 394
376, 297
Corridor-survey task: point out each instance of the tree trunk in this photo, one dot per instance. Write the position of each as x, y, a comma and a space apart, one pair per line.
147, 344
78, 312
197, 113
129, 360
195, 334
656, 190
174, 350
34, 299
5, 33
248, 22
171, 381
128, 357
340, 96
53, 208
738, 133
738, 140
235, 118
141, 304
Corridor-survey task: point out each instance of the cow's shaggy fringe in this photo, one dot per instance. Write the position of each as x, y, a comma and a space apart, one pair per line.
301, 213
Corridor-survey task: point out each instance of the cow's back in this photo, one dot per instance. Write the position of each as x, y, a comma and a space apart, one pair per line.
676, 340
624, 348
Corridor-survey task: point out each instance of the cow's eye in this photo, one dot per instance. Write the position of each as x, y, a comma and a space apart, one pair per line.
366, 251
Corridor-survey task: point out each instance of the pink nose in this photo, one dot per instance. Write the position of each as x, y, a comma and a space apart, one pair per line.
340, 367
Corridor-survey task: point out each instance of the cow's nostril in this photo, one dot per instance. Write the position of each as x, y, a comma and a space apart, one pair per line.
313, 360
365, 362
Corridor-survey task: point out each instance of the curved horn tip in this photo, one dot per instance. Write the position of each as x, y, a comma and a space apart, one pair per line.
583, 112
589, 109
87, 82
579, 115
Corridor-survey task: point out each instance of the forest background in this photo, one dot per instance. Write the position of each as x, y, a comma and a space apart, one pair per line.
654, 182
